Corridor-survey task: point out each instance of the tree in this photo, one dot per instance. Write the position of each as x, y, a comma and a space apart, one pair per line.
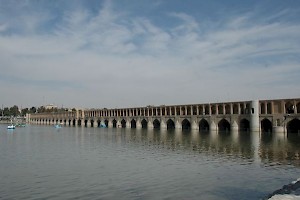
32, 110
24, 111
6, 111
14, 111
41, 109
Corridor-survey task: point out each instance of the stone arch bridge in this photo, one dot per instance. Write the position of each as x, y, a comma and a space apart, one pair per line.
279, 115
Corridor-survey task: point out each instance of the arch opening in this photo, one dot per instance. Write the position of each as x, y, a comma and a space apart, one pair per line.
92, 123
123, 123
186, 125
144, 124
106, 122
170, 124
244, 125
133, 123
266, 126
114, 122
156, 124
293, 127
224, 126
203, 125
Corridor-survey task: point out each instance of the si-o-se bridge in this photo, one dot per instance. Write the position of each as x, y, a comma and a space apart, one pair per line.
278, 115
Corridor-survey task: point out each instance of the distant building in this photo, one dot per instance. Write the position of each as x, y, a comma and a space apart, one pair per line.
50, 106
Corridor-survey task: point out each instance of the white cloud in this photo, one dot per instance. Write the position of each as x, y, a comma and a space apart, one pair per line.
110, 58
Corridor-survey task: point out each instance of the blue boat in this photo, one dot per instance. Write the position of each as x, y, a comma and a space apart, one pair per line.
57, 126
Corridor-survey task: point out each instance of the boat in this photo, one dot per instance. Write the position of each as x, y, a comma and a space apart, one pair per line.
11, 126
57, 126
20, 125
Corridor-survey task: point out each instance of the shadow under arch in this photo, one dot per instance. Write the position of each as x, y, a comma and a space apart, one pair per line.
186, 125
266, 126
170, 124
293, 126
123, 123
224, 126
133, 123
203, 125
114, 122
156, 124
106, 122
244, 125
144, 124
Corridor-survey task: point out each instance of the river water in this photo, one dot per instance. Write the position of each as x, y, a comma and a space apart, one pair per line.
41, 162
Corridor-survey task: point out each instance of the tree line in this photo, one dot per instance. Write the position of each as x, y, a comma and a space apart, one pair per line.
15, 111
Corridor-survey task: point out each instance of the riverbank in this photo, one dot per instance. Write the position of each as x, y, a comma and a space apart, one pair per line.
14, 121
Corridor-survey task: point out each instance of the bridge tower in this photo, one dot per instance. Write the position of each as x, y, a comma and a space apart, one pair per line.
254, 116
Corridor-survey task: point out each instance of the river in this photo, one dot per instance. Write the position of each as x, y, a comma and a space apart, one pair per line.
41, 162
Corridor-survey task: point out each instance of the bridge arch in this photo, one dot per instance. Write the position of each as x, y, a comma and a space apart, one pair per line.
156, 124
266, 126
186, 125
144, 123
170, 124
133, 123
293, 126
224, 126
114, 122
106, 122
203, 125
123, 123
244, 125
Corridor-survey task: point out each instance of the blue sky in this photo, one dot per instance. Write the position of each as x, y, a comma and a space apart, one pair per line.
135, 53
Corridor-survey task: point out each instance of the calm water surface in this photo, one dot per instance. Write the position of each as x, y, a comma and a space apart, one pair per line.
39, 162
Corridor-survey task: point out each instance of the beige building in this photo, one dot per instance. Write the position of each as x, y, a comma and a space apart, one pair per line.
50, 106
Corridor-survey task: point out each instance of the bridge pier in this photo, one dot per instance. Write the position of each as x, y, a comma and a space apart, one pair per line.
110, 123
88, 123
213, 126
254, 116
119, 125
234, 126
194, 124
163, 124
128, 124
138, 124
279, 129
150, 124
177, 124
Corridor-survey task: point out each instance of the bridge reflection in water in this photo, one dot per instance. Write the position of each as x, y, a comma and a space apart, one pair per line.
248, 147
